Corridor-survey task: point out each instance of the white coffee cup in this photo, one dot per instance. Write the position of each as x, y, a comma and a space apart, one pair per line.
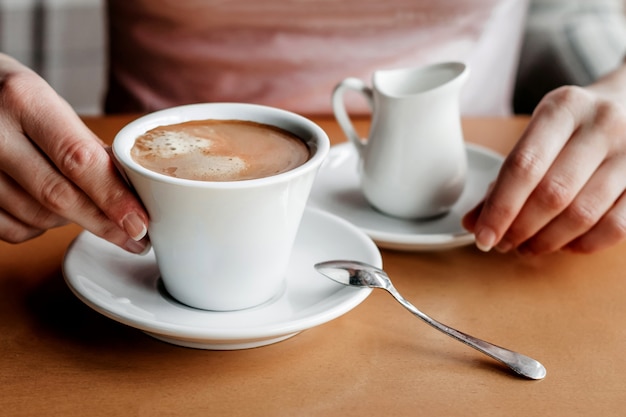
413, 163
223, 245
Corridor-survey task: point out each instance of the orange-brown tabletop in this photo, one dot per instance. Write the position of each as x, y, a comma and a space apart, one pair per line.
60, 357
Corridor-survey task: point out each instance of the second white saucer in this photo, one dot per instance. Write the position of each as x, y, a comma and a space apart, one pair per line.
336, 189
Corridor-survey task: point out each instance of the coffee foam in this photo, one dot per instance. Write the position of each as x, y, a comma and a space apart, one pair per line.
167, 144
194, 151
214, 150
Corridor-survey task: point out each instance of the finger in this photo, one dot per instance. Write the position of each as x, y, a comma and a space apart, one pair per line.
54, 192
574, 166
593, 202
14, 231
609, 231
80, 157
471, 217
76, 179
521, 172
24, 208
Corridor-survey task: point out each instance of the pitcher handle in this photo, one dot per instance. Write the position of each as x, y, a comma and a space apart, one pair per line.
341, 114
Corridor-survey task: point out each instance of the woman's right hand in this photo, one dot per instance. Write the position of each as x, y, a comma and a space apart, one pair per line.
54, 170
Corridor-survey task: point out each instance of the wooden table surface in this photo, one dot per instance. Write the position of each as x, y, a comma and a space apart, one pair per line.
59, 357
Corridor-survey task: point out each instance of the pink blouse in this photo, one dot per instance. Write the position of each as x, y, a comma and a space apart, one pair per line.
291, 53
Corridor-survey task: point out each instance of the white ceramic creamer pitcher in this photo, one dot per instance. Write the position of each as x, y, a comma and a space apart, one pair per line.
413, 163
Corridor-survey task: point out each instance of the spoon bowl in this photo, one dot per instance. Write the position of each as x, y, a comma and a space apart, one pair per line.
359, 274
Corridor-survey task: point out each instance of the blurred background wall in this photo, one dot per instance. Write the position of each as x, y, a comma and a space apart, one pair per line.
567, 42
64, 41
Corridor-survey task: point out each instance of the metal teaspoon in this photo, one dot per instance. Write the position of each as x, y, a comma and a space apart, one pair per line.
359, 274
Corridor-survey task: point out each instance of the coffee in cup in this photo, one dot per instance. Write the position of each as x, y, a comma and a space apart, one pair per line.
219, 150
224, 245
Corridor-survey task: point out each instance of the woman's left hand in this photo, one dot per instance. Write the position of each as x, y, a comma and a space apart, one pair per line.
562, 187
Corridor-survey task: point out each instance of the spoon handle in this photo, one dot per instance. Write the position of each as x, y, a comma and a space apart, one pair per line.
519, 363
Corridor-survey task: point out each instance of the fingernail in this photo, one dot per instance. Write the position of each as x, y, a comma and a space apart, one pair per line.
504, 246
138, 247
134, 226
485, 239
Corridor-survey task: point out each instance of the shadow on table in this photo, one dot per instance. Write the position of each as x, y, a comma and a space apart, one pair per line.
59, 314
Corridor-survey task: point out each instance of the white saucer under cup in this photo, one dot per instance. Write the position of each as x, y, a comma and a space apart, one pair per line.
337, 190
126, 288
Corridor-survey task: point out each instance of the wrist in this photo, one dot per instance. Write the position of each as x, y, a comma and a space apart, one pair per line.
612, 85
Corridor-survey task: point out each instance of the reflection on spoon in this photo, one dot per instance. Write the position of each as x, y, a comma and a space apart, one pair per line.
358, 274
